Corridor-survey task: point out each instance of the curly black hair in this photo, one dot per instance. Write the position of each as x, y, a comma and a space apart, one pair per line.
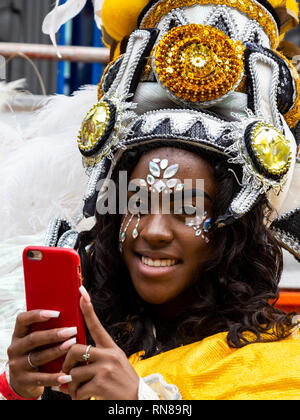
236, 291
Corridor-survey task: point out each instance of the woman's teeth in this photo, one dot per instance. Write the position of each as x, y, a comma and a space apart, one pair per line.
158, 263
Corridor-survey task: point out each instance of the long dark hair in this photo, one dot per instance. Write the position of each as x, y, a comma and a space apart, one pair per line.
236, 291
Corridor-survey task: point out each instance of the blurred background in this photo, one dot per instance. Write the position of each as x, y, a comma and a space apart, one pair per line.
21, 22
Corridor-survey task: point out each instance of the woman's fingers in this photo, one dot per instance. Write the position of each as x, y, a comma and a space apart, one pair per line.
42, 357
26, 319
75, 356
98, 332
80, 375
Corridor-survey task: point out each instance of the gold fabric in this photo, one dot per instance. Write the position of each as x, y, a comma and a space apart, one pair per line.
211, 370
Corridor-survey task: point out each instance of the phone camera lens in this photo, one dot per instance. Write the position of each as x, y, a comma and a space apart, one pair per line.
30, 254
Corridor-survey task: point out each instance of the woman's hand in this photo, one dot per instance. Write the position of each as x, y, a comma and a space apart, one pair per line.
108, 374
26, 380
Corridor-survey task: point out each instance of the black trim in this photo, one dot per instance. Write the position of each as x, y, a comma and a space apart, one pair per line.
102, 141
142, 62
264, 3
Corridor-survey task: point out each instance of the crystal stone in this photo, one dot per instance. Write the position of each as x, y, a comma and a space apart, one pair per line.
150, 179
164, 164
272, 149
160, 186
154, 169
171, 171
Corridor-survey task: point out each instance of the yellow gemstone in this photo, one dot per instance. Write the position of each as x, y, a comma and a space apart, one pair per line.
94, 125
272, 149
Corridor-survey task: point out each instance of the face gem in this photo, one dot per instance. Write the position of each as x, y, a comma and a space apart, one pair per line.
160, 186
154, 169
171, 183
135, 233
171, 171
179, 187
150, 179
156, 160
164, 164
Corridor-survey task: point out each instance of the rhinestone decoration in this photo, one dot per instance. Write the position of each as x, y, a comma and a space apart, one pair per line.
253, 9
199, 63
94, 127
166, 184
272, 150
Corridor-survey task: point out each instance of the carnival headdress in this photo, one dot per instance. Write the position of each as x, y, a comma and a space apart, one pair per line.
205, 73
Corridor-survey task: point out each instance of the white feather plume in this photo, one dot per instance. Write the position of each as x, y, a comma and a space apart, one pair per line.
41, 168
65, 12
59, 16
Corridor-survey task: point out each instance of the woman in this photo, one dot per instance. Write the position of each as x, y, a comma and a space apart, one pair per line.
199, 289
189, 300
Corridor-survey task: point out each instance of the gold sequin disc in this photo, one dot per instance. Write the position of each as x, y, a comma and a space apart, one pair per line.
199, 63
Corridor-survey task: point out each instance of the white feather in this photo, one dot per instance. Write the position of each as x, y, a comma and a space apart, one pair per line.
97, 8
59, 16
41, 172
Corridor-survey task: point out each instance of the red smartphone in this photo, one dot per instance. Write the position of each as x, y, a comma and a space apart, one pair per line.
52, 281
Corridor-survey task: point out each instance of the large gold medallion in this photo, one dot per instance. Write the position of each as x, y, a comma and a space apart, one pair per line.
199, 63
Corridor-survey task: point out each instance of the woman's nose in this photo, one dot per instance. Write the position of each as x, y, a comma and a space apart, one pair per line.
156, 230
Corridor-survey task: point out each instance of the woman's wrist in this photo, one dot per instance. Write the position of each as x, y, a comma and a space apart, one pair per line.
7, 393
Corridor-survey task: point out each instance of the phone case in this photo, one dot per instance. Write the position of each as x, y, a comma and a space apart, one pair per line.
53, 283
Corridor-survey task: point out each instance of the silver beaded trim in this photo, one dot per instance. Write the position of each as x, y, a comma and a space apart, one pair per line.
287, 240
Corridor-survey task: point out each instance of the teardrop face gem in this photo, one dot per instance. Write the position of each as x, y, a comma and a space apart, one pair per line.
207, 225
156, 160
150, 179
164, 163
171, 183
179, 187
135, 233
171, 171
154, 169
198, 233
123, 237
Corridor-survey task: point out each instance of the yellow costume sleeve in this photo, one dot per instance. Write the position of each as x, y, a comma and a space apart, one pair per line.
211, 370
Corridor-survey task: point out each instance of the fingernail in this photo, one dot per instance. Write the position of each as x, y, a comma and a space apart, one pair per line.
49, 314
85, 294
67, 344
66, 379
67, 332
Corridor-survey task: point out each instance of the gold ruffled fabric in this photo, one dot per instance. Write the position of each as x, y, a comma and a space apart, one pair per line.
120, 18
211, 370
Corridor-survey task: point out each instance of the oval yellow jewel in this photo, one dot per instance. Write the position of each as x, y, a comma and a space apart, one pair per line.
94, 126
272, 149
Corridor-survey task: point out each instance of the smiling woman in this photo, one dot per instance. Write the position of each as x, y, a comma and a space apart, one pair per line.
177, 295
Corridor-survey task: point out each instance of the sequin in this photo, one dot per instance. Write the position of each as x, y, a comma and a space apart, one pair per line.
252, 9
206, 64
